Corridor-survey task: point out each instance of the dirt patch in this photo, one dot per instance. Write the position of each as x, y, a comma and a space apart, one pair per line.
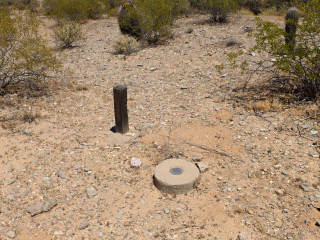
263, 178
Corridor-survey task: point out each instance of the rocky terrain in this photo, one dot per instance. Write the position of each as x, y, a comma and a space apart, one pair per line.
66, 175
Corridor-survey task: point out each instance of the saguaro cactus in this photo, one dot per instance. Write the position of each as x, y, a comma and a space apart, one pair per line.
292, 19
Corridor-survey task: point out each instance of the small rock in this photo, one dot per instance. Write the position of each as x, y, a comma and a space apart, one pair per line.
304, 187
196, 157
312, 198
310, 154
77, 168
41, 207
154, 68
279, 192
285, 210
285, 172
11, 234
135, 162
11, 198
216, 238
27, 132
91, 192
83, 225
102, 68
58, 233
224, 75
166, 210
46, 181
318, 223
243, 236
183, 87
119, 214
314, 132
62, 175
12, 181
203, 166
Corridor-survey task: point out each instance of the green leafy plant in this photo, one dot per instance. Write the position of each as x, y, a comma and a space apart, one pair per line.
67, 33
25, 58
155, 19
298, 64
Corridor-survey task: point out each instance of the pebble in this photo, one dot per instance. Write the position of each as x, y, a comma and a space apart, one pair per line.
135, 162
279, 192
11, 198
318, 223
12, 181
154, 68
119, 214
77, 168
41, 207
11, 234
166, 210
216, 238
84, 225
314, 132
203, 166
91, 192
183, 87
285, 172
58, 233
243, 236
46, 181
224, 75
27, 132
62, 175
304, 187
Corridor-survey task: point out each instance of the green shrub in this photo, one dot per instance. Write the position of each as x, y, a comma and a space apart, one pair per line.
219, 9
74, 10
298, 65
24, 57
129, 20
31, 5
67, 33
155, 19
126, 45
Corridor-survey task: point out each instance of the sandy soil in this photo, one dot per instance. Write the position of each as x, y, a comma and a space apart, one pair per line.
263, 176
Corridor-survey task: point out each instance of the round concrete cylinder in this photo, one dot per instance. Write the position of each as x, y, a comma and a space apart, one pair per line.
176, 176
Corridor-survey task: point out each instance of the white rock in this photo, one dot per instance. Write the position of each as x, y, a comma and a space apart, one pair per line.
11, 234
135, 162
203, 166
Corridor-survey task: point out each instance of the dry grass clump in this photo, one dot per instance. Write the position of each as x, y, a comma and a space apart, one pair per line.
263, 105
67, 33
126, 45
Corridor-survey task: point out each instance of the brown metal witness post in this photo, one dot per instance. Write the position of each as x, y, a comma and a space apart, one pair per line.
120, 108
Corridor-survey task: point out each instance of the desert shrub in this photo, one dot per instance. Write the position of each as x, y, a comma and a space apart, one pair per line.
74, 9
178, 7
129, 21
155, 19
298, 65
126, 45
31, 5
24, 57
67, 33
254, 6
219, 9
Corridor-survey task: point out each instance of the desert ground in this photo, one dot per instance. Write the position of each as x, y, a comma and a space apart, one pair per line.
57, 149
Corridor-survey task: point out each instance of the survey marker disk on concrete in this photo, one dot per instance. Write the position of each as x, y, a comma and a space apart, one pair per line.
176, 176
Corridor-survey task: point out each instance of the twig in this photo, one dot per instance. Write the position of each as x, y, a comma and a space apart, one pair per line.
207, 149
